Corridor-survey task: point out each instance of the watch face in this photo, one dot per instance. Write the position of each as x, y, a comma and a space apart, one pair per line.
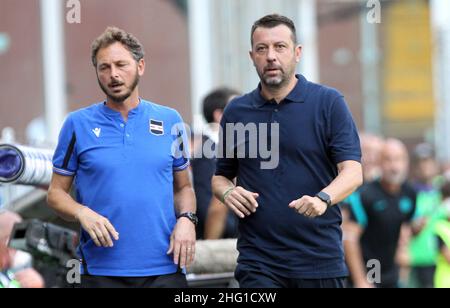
324, 197
193, 218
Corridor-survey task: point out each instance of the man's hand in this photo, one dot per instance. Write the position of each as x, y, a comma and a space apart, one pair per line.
310, 207
98, 227
241, 202
364, 284
182, 243
418, 225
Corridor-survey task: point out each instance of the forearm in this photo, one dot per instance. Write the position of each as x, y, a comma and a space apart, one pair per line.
64, 205
446, 253
220, 186
355, 262
348, 180
216, 220
185, 200
183, 236
353, 252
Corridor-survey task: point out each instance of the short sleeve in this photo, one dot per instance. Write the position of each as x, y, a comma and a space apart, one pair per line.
358, 212
344, 140
227, 162
180, 147
65, 159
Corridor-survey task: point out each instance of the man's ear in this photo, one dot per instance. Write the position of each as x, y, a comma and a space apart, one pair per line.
298, 53
141, 67
251, 57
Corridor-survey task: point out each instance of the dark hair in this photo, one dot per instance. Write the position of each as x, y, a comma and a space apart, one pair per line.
272, 21
113, 35
445, 189
217, 100
423, 151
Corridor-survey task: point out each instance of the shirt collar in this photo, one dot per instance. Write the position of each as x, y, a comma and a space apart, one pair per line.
108, 111
297, 95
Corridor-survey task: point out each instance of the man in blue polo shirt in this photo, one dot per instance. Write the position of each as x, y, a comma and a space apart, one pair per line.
290, 233
134, 201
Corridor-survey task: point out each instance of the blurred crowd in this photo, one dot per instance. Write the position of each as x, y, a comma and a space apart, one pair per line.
399, 217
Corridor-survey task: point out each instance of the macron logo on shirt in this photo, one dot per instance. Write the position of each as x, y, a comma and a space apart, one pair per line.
97, 132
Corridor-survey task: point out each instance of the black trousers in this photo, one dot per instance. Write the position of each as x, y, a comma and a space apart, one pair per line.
424, 276
253, 278
177, 281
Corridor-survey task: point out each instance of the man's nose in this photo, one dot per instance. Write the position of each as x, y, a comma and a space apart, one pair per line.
114, 72
271, 55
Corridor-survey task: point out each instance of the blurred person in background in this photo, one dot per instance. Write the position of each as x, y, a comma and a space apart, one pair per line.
423, 248
215, 220
371, 147
15, 266
377, 214
129, 159
442, 232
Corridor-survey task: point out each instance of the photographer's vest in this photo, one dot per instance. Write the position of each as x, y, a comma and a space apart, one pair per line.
442, 277
7, 282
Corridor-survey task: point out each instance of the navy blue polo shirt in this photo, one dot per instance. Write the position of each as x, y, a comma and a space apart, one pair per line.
316, 133
124, 172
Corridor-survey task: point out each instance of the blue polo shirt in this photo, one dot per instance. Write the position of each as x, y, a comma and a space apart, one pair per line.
316, 132
124, 172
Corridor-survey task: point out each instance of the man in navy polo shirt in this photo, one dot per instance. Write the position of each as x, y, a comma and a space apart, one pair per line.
135, 201
290, 233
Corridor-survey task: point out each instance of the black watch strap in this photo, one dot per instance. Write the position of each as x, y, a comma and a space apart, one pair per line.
191, 216
325, 198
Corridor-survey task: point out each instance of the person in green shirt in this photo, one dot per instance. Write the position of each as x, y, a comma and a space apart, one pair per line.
8, 281
442, 231
423, 248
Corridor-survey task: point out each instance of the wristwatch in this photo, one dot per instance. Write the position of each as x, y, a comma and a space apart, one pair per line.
325, 198
191, 216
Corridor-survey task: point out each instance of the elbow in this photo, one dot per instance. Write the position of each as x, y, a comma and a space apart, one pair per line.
359, 181
359, 178
51, 198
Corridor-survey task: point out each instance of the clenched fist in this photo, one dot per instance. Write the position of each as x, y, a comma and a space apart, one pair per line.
310, 207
